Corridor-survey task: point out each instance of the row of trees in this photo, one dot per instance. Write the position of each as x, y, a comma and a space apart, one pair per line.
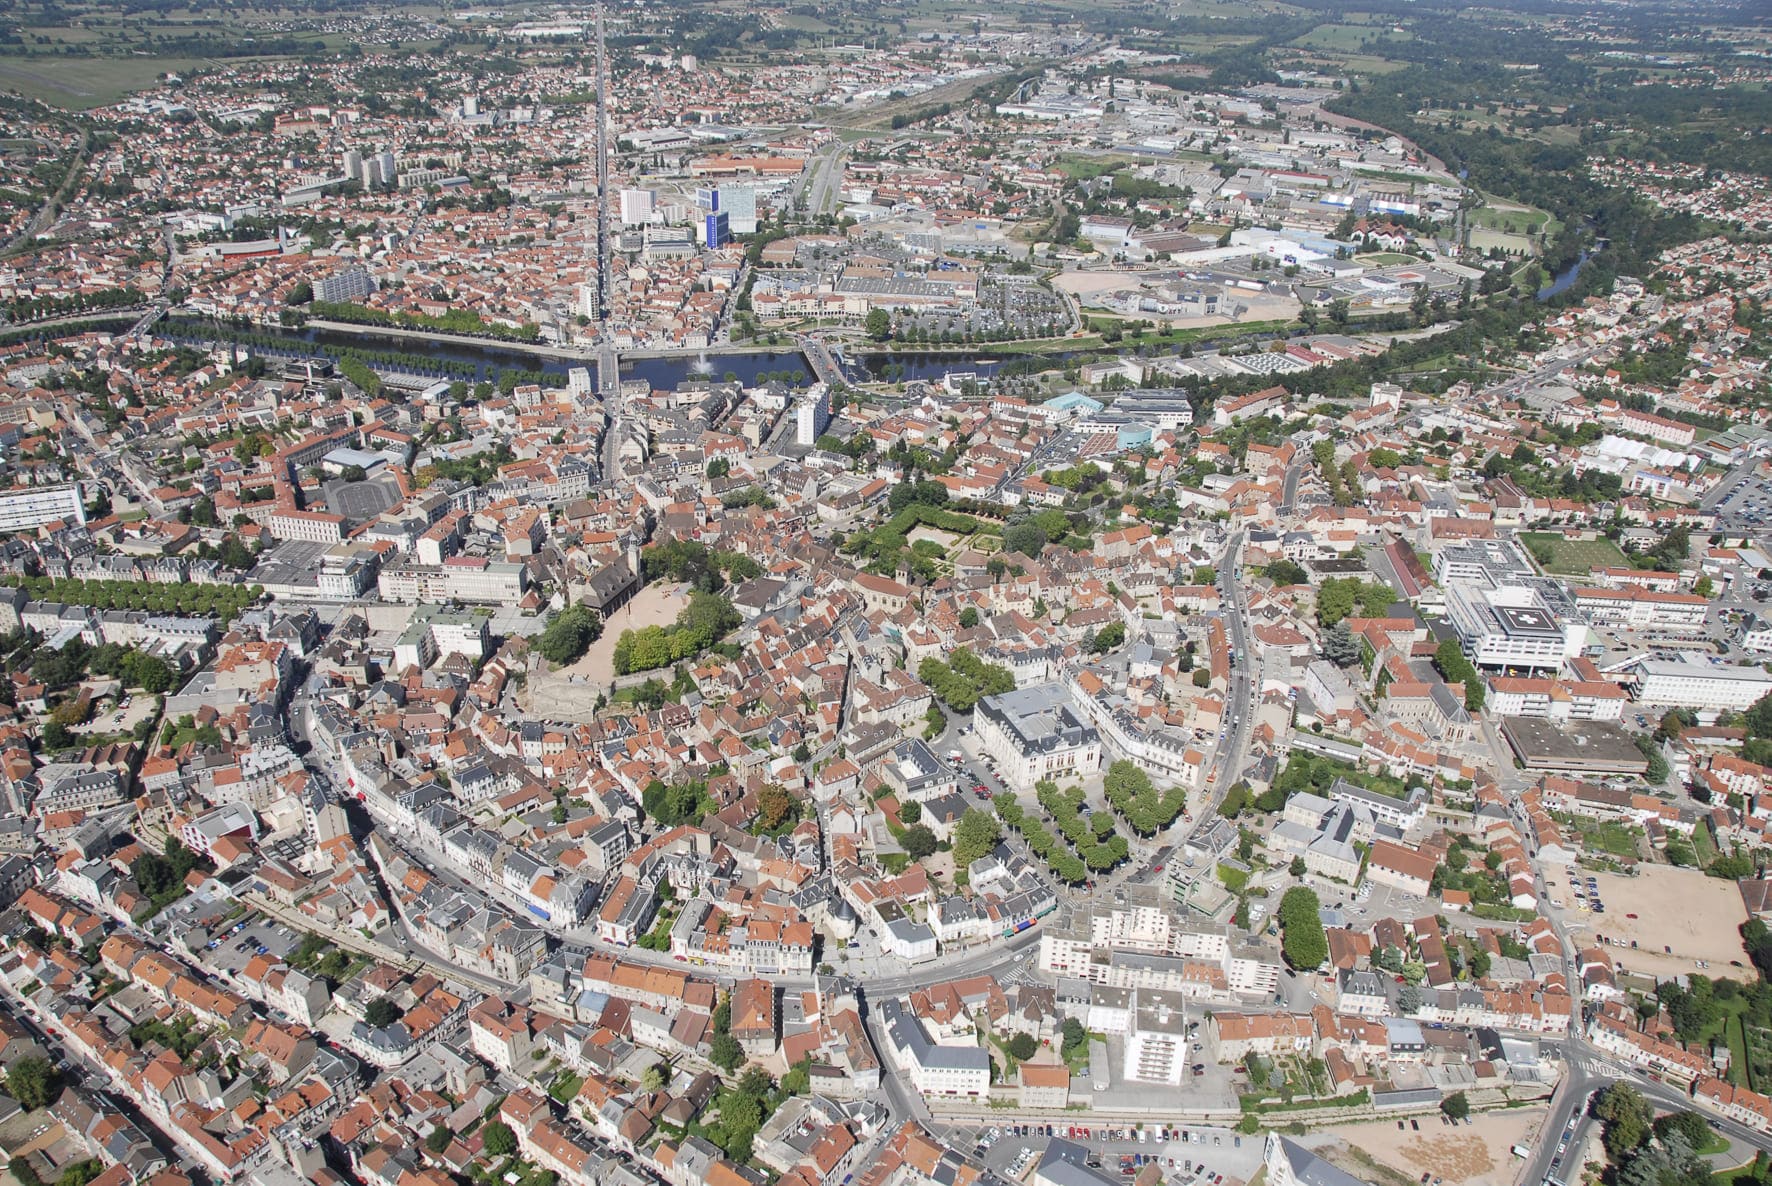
1449, 658
1065, 865
455, 321
1343, 481
221, 602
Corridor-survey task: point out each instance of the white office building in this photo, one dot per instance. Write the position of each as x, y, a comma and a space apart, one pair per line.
1035, 733
1697, 683
27, 508
934, 1069
812, 414
637, 206
1510, 628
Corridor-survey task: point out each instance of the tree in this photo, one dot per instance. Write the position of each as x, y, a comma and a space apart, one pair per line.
774, 807
654, 1078
498, 1139
1109, 637
1687, 1125
719, 467
1627, 1118
1340, 646
918, 841
910, 813
725, 1052
1023, 1046
878, 324
1285, 572
1075, 1037
1456, 1105
438, 1139
152, 674
1026, 537
570, 634
381, 1012
1297, 867
300, 294
1302, 942
968, 617
974, 836
56, 736
33, 1082
1202, 678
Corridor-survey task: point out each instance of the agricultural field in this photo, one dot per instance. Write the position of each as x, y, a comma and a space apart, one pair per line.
81, 83
1569, 557
1350, 38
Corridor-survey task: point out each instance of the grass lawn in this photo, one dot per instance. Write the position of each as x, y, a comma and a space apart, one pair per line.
1728, 1026
1741, 1173
1385, 259
1609, 836
1704, 845
1759, 1054
1087, 168
1574, 557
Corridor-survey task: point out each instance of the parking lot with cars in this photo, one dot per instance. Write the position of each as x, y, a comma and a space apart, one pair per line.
1187, 1155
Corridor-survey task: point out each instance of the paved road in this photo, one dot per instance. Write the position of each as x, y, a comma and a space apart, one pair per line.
1289, 494
824, 176
1543, 374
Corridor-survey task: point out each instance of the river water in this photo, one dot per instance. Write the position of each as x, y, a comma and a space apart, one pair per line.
1564, 279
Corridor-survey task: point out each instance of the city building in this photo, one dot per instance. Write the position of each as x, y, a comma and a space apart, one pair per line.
1036, 733
26, 508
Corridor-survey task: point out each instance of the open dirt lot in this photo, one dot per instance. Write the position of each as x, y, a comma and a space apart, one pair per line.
1085, 284
1698, 917
1474, 1154
570, 694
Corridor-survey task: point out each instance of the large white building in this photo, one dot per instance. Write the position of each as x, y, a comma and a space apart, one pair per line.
637, 206
460, 578
1156, 1044
1037, 733
1698, 683
812, 414
1290, 1164
1641, 609
1557, 700
1510, 628
1146, 946
934, 1069
26, 508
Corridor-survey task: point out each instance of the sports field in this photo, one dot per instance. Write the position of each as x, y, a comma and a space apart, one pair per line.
1572, 557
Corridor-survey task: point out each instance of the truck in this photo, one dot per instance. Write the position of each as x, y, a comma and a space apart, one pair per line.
1520, 1151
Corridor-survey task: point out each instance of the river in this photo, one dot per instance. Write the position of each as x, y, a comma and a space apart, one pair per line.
1564, 279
